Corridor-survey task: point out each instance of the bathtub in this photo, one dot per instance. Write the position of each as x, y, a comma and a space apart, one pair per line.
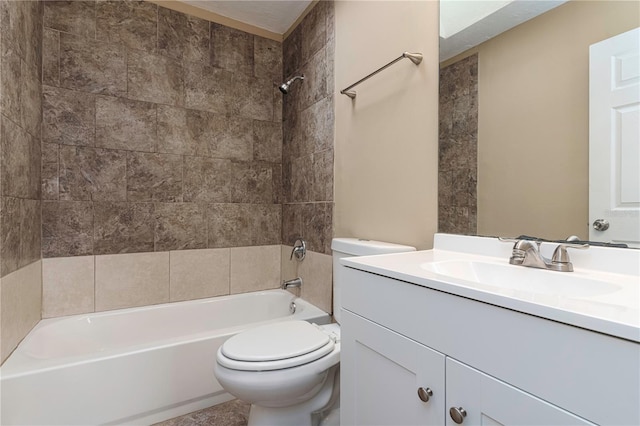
132, 366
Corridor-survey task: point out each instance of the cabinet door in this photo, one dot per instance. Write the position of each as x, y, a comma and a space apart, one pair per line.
381, 372
490, 402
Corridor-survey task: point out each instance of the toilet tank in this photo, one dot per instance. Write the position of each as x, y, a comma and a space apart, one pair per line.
348, 247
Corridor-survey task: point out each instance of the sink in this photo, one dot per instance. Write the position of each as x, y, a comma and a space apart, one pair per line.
602, 294
520, 278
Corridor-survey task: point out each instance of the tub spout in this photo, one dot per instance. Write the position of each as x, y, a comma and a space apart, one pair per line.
296, 282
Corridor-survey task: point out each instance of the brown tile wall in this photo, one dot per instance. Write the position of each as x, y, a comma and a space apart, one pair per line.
458, 147
20, 154
161, 131
307, 147
20, 125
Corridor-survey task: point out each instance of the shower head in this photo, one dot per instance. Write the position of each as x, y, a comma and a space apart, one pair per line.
284, 87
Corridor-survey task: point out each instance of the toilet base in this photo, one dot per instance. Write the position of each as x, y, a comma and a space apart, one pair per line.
332, 418
303, 414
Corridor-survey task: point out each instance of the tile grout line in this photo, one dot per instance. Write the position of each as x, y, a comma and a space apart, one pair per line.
95, 278
169, 277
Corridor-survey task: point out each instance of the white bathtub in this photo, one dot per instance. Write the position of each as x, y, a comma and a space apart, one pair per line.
132, 366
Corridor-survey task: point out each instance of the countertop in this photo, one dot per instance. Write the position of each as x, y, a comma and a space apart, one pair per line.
616, 312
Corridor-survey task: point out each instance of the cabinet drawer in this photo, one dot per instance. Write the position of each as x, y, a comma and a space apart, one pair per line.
595, 376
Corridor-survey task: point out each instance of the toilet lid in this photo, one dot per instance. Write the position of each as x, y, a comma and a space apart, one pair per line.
275, 347
274, 342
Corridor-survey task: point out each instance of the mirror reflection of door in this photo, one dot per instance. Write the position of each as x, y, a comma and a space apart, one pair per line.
614, 139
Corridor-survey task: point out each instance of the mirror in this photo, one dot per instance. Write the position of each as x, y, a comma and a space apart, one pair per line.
514, 116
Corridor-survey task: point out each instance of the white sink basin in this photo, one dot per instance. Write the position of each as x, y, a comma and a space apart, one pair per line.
520, 278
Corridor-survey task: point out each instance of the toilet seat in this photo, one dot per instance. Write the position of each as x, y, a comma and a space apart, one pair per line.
275, 346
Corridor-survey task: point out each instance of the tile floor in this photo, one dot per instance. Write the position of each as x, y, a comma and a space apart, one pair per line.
232, 413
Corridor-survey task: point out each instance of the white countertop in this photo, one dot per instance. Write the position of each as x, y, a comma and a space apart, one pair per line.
615, 312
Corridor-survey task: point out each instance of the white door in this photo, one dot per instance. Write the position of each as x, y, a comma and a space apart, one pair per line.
614, 139
387, 379
474, 398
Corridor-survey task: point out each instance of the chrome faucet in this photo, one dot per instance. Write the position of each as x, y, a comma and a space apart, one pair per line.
527, 253
299, 250
296, 282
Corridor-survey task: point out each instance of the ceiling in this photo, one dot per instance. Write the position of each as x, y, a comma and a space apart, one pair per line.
463, 23
467, 23
276, 16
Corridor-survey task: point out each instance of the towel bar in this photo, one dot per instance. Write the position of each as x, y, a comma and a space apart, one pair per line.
416, 58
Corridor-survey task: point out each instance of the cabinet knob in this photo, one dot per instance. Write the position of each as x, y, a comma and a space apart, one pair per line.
457, 414
424, 394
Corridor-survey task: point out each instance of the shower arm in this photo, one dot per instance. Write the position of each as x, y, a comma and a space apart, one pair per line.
297, 77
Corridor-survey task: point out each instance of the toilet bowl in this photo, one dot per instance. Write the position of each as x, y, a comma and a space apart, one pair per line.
290, 371
291, 378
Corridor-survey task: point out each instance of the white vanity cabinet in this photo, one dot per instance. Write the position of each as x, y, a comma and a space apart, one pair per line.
500, 366
388, 379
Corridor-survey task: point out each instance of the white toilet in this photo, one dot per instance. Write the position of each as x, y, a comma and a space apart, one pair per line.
289, 371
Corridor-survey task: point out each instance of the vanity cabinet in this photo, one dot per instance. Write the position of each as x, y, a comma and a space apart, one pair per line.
388, 379
500, 366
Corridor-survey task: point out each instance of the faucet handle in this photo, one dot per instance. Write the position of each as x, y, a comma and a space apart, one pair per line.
518, 241
508, 240
560, 254
299, 250
521, 244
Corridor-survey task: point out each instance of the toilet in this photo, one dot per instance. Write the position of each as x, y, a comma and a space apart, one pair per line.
289, 371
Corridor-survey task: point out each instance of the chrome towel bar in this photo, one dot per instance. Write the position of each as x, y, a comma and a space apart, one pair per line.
416, 58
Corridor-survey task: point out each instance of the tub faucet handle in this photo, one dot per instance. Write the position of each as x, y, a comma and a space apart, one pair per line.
299, 250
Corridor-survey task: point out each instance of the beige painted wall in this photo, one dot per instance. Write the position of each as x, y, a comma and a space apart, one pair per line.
387, 139
533, 130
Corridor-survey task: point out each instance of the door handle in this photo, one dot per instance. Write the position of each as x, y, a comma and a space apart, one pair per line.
600, 224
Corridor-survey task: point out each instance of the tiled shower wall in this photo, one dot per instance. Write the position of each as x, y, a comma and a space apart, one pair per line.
161, 131
20, 133
20, 126
163, 135
309, 131
458, 147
